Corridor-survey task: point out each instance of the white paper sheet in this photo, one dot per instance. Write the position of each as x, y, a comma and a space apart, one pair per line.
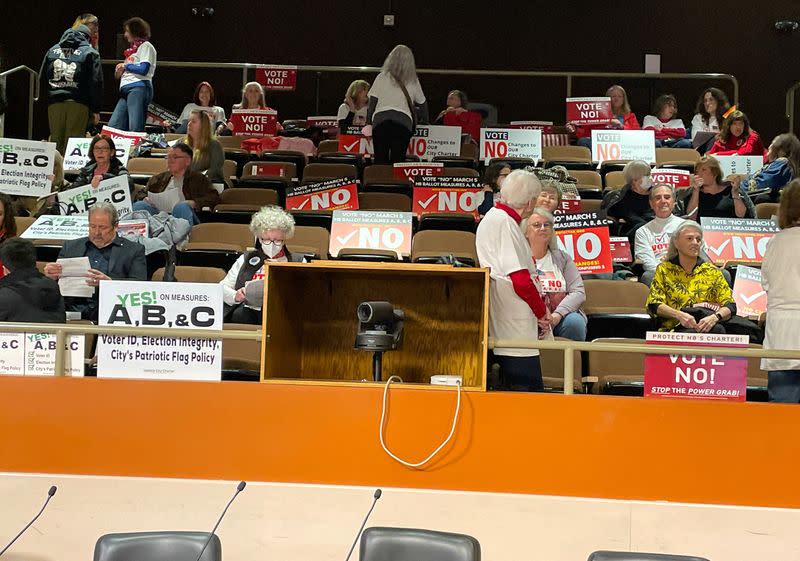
166, 200
73, 277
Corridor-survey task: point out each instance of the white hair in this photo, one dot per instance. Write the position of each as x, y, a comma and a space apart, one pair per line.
661, 186
109, 209
544, 213
672, 249
272, 218
400, 65
519, 187
635, 169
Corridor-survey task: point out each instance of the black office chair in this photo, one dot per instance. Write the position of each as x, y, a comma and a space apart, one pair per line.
410, 544
157, 546
632, 556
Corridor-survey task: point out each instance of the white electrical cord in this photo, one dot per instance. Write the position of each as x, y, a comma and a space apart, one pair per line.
439, 448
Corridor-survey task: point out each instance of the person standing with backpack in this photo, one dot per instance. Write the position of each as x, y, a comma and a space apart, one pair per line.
395, 100
74, 80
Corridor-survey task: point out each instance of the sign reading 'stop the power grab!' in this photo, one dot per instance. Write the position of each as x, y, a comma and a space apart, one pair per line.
585, 237
511, 143
623, 145
254, 122
430, 141
447, 194
277, 78
333, 194
361, 229
26, 167
589, 110
737, 239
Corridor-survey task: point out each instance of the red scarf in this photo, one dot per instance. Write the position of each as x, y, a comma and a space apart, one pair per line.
134, 47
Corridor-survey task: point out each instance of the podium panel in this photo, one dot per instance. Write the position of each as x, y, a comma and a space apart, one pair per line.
310, 322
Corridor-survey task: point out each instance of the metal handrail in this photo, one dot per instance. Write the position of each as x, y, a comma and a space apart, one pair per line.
569, 347
33, 90
790, 105
245, 66
62, 330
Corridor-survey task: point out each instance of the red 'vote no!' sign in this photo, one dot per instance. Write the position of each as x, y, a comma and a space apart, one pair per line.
277, 78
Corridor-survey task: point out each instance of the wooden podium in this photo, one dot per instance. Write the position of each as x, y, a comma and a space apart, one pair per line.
310, 321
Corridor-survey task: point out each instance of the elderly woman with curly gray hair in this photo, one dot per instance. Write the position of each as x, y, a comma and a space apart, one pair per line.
271, 226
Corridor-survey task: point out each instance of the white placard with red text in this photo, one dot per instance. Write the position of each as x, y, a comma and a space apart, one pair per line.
447, 194
544, 126
355, 144
254, 122
692, 376
678, 178
277, 78
368, 229
750, 296
623, 145
430, 141
589, 110
736, 239
511, 143
134, 137
412, 170
739, 164
328, 195
585, 237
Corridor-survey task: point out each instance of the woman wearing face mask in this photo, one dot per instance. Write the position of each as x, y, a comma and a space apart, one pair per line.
271, 226
492, 181
631, 203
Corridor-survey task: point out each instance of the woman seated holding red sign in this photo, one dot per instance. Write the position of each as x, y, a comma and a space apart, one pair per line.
669, 130
353, 111
623, 117
558, 278
737, 138
688, 293
783, 157
710, 196
252, 98
103, 164
209, 156
271, 226
456, 114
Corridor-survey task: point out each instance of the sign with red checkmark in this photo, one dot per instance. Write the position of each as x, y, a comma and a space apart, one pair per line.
333, 194
737, 239
447, 194
364, 229
750, 296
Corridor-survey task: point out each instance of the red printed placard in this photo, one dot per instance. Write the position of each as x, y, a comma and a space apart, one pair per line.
545, 126
323, 122
447, 194
737, 239
333, 194
585, 237
134, 137
355, 144
269, 170
277, 78
366, 229
678, 178
621, 250
570, 203
692, 376
588, 110
412, 170
254, 122
750, 296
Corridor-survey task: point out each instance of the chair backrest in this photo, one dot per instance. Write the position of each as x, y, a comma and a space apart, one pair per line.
248, 196
147, 166
384, 201
635, 556
591, 205
460, 172
379, 173
23, 222
321, 172
435, 243
588, 178
614, 179
410, 544
289, 169
567, 154
221, 232
470, 150
241, 354
185, 273
328, 146
613, 296
306, 238
763, 210
615, 365
157, 546
230, 142
676, 155
229, 169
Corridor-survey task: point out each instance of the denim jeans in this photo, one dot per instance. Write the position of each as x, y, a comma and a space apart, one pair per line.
180, 210
783, 386
130, 113
572, 326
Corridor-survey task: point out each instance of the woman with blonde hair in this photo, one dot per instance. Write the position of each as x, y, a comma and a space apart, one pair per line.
353, 111
622, 117
252, 98
90, 21
208, 155
395, 100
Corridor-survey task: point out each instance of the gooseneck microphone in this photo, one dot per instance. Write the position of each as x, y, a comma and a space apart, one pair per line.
376, 496
50, 494
239, 488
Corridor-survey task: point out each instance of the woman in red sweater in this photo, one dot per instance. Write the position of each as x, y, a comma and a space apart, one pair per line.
623, 117
737, 138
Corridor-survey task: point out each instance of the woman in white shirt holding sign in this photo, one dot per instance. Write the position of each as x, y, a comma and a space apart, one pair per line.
558, 277
252, 98
780, 273
135, 78
395, 99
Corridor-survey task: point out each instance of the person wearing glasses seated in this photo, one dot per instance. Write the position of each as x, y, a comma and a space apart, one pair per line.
558, 277
103, 164
179, 191
271, 226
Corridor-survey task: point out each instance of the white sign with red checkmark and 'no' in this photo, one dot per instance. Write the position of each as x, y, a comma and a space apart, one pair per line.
363, 229
447, 194
737, 239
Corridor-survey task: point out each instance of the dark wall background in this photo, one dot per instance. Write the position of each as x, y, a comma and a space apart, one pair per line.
736, 38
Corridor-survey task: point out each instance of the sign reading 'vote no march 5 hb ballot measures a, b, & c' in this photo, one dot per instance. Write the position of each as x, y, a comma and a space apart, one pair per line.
586, 238
364, 229
26, 167
334, 194
511, 143
692, 376
447, 194
176, 305
623, 145
737, 239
